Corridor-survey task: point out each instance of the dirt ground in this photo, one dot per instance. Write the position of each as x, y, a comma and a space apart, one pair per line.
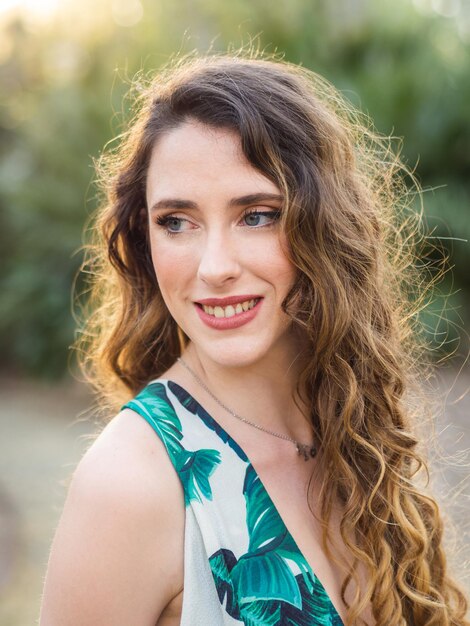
43, 432
40, 444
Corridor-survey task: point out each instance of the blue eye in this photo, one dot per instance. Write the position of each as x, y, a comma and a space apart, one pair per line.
173, 223
253, 217
170, 224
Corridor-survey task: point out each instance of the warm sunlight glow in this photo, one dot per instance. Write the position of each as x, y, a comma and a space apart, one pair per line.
80, 15
34, 10
127, 12
8, 6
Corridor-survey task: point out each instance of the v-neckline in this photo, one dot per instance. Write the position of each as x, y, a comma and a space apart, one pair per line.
227, 438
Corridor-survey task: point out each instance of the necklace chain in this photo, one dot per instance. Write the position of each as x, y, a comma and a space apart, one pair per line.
306, 450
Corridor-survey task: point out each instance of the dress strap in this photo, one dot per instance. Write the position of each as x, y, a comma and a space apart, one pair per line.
194, 467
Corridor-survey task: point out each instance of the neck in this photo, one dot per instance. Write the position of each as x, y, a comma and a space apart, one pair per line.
262, 391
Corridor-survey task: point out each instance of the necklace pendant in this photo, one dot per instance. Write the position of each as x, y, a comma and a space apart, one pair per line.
308, 452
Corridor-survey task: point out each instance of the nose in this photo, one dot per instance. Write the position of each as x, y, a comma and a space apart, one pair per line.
219, 260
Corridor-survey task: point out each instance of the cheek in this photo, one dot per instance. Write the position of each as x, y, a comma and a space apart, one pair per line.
172, 266
285, 252
275, 265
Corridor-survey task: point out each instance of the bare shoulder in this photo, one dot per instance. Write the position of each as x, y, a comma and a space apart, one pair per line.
129, 463
129, 449
117, 554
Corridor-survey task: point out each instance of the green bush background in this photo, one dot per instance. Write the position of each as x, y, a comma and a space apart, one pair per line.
62, 87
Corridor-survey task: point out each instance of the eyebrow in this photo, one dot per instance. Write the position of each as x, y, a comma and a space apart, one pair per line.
252, 198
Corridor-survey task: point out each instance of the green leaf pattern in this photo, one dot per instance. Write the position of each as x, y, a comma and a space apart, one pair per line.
270, 583
262, 582
194, 467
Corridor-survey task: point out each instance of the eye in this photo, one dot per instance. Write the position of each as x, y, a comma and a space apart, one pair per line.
174, 223
171, 224
261, 218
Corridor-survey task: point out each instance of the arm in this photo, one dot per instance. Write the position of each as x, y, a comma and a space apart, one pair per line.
117, 556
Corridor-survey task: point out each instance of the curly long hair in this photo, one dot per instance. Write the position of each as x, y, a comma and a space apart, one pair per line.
352, 235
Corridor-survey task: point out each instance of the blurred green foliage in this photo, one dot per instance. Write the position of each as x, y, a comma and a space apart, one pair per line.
62, 87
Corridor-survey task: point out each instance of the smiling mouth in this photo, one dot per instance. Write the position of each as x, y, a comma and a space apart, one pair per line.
230, 310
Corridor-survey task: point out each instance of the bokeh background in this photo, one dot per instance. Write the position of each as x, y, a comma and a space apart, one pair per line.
65, 69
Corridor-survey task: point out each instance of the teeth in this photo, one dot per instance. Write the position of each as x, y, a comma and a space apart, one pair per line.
230, 310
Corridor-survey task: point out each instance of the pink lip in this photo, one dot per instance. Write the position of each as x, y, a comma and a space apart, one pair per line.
228, 300
225, 323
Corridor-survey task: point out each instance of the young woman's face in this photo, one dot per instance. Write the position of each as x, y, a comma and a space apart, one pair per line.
215, 237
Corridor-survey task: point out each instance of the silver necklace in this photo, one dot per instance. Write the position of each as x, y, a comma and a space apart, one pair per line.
303, 449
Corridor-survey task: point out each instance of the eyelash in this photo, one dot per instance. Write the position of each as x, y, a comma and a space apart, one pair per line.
164, 220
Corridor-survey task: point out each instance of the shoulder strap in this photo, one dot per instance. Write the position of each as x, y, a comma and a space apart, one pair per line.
194, 468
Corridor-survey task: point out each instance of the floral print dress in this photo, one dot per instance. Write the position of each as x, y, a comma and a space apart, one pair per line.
241, 564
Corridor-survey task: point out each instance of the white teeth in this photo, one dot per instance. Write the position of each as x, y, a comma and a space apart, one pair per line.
230, 310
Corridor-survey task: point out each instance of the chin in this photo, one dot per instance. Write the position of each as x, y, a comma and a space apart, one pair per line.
236, 353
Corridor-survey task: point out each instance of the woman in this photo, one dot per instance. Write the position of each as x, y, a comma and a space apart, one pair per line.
250, 303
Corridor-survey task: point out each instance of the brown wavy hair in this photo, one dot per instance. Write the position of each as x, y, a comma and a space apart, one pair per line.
353, 236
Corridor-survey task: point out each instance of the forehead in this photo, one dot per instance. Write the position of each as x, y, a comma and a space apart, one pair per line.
197, 159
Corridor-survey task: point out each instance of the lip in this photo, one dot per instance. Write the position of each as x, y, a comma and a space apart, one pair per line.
228, 300
227, 323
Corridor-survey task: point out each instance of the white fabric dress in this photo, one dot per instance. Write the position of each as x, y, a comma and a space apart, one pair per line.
241, 564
